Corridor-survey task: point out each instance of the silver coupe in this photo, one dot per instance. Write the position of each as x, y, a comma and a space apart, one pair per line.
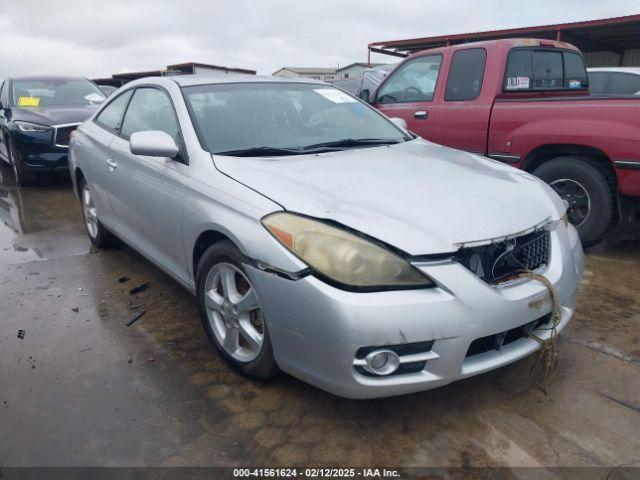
322, 238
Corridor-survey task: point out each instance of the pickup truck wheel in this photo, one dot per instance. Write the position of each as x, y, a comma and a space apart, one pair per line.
98, 234
232, 314
586, 190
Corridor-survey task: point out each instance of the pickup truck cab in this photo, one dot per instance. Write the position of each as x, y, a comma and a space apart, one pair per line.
526, 102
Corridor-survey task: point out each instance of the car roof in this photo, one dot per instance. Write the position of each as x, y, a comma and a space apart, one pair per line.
634, 70
48, 77
193, 80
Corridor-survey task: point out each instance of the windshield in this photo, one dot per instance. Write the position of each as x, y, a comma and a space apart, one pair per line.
44, 92
291, 116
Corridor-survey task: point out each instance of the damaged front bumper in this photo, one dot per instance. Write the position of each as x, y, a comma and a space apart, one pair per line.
463, 327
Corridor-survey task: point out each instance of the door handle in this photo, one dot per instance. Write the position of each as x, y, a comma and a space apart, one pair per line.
421, 114
112, 165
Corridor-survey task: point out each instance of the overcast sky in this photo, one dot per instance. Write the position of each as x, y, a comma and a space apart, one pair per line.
97, 38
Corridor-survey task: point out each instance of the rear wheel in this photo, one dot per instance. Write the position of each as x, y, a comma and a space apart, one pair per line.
21, 176
98, 234
232, 314
587, 191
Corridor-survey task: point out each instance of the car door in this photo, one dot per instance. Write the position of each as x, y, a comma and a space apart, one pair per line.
147, 192
410, 93
463, 115
92, 149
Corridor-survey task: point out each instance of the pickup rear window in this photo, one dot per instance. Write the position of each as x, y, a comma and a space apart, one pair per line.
539, 69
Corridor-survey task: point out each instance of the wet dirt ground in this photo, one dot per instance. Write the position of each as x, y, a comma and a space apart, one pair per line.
82, 388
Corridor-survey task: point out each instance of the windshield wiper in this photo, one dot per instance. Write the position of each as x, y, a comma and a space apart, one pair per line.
351, 142
260, 152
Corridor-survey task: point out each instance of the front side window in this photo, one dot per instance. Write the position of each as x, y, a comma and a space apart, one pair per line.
45, 92
625, 84
465, 75
150, 109
294, 116
111, 116
531, 69
415, 81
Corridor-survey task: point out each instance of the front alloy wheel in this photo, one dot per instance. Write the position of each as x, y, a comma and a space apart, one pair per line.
231, 312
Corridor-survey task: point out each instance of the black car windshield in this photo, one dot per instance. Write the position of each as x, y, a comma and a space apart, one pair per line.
258, 119
43, 92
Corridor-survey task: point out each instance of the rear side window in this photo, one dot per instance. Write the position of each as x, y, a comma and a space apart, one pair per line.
598, 82
465, 75
529, 69
111, 116
625, 84
575, 75
415, 81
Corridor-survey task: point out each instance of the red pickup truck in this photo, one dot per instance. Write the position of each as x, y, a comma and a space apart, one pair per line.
526, 102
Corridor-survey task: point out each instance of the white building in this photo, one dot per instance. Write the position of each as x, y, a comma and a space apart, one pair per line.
311, 73
354, 70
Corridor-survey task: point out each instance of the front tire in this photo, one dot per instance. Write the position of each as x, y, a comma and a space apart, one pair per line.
22, 177
231, 312
98, 234
587, 190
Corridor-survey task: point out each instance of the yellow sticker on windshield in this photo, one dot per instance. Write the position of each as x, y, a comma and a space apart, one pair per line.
28, 101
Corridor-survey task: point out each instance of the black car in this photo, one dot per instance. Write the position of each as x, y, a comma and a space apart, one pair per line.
37, 116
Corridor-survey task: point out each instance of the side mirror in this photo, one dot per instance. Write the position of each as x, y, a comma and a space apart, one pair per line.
364, 95
153, 143
400, 122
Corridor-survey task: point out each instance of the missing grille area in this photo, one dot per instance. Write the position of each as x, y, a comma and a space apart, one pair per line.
500, 261
497, 341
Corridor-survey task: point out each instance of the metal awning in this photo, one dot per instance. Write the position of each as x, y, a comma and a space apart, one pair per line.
609, 34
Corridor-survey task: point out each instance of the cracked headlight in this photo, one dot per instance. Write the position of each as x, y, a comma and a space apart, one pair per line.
342, 256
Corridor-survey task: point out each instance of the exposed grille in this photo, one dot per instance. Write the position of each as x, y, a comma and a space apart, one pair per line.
534, 252
500, 261
499, 340
63, 135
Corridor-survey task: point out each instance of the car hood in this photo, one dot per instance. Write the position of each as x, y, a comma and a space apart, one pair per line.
58, 115
420, 197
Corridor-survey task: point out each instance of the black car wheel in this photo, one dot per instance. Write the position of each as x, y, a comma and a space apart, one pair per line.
21, 176
588, 193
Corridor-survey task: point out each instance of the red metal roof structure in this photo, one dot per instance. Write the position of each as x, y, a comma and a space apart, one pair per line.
615, 35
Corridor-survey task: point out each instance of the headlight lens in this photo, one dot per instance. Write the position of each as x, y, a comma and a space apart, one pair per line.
29, 127
342, 256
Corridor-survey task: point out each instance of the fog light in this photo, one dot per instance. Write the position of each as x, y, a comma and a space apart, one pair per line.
382, 362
